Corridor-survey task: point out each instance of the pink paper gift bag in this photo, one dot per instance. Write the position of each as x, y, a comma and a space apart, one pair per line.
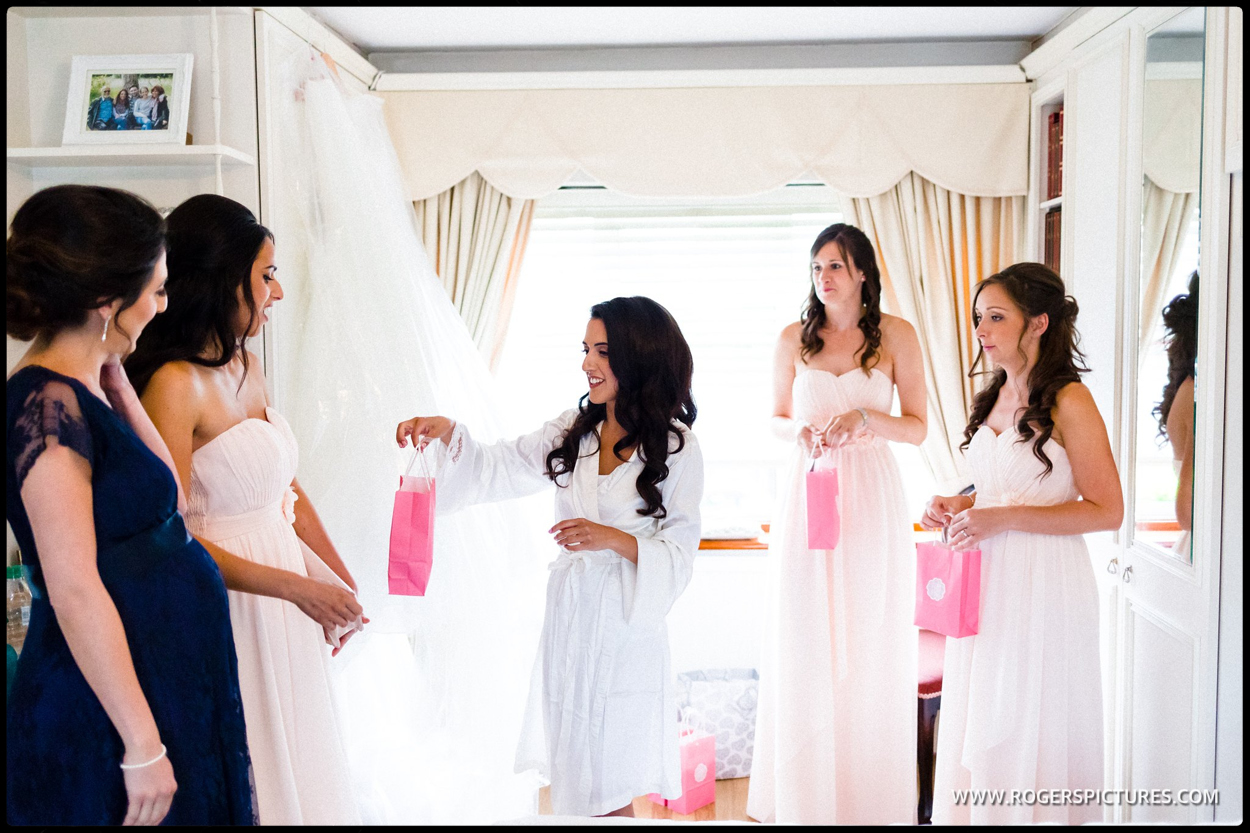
948, 589
412, 534
698, 773
824, 522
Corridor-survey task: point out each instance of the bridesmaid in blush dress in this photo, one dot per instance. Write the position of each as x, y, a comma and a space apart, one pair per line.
236, 456
1022, 699
835, 737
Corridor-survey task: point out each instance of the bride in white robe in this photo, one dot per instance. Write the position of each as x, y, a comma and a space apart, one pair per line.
608, 700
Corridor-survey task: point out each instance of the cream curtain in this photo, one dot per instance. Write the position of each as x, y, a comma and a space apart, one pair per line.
933, 245
1166, 216
476, 236
716, 141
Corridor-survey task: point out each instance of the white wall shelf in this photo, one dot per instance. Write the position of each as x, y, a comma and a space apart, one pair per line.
80, 156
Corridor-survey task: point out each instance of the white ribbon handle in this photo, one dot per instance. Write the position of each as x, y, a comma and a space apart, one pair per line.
818, 449
418, 453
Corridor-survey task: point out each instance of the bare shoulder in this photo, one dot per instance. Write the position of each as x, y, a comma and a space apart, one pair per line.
791, 334
895, 329
1185, 393
178, 383
1075, 406
1074, 395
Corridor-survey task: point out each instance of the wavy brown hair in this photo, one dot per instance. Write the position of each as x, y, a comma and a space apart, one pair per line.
856, 250
1180, 317
1035, 289
653, 368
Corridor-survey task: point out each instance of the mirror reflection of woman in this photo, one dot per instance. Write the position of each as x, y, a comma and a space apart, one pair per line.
833, 742
629, 474
1175, 410
236, 458
1022, 699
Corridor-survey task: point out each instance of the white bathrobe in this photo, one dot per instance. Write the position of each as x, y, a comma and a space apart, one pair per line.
609, 703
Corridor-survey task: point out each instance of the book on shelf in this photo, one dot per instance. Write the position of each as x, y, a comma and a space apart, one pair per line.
1050, 156
1059, 152
1054, 154
1050, 239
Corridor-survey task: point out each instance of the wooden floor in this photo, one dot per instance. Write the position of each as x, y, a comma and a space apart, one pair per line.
730, 804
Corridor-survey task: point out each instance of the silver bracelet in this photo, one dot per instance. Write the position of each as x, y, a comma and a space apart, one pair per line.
148, 763
863, 414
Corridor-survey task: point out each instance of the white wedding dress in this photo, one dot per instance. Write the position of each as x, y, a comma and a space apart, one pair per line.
1022, 700
241, 499
835, 733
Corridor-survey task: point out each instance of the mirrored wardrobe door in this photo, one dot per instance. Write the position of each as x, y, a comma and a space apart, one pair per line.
1169, 285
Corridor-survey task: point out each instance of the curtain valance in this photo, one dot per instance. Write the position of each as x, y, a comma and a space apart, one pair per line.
736, 141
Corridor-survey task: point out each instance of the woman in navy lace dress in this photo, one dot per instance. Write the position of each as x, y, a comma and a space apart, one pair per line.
125, 706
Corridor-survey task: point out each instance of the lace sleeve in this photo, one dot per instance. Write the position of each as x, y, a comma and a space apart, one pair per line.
50, 416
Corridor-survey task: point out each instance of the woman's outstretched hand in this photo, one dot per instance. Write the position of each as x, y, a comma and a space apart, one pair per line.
423, 430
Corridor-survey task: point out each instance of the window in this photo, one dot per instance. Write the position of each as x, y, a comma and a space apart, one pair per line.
733, 274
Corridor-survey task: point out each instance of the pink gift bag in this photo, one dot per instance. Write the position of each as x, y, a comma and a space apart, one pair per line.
948, 588
824, 523
412, 533
698, 773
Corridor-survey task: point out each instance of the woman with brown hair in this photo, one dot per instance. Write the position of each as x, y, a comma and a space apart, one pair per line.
833, 740
1022, 699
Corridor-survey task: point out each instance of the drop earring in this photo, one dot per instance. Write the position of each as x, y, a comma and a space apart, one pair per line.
104, 336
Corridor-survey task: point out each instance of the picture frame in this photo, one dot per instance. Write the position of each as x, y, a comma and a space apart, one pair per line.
97, 112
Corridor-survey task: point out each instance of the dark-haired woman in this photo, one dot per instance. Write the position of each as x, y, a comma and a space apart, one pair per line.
833, 744
160, 110
125, 707
122, 117
236, 458
1175, 410
630, 477
1022, 700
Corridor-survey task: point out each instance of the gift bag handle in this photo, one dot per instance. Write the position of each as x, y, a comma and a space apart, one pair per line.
818, 449
418, 453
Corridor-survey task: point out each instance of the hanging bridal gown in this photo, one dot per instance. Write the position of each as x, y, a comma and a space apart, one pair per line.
835, 734
1022, 700
609, 700
241, 499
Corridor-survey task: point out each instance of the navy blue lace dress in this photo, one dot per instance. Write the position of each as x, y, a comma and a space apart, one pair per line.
62, 750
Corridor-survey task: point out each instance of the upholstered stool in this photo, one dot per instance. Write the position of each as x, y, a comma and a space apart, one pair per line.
929, 700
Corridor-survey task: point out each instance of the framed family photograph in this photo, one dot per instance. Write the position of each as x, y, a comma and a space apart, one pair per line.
128, 99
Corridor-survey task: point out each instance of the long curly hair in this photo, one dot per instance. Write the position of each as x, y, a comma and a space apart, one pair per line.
1180, 317
1035, 289
653, 367
212, 242
856, 249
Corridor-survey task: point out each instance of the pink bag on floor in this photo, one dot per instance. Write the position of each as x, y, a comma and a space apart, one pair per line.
824, 522
412, 533
948, 588
698, 773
